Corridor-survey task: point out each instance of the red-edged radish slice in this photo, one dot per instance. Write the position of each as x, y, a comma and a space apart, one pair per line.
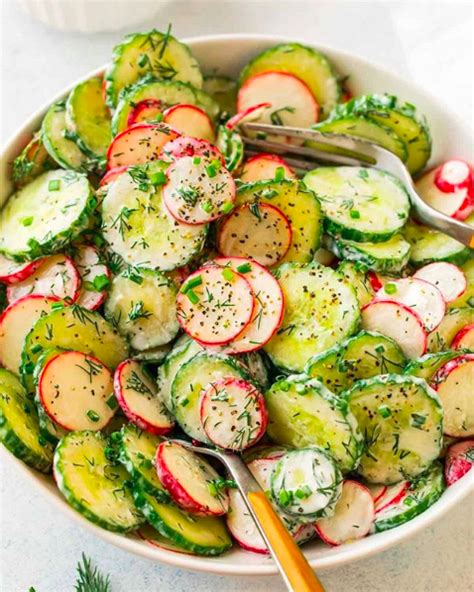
190, 121
199, 190
139, 144
452, 175
398, 322
419, 295
76, 391
95, 277
190, 480
16, 321
233, 414
242, 526
56, 276
152, 537
352, 518
304, 533
464, 338
458, 204
448, 278
459, 461
12, 272
258, 231
376, 491
265, 166
138, 397
214, 305
112, 175
187, 146
269, 305
454, 382
392, 495
250, 113
146, 110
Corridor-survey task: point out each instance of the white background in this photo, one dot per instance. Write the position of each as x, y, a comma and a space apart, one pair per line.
430, 42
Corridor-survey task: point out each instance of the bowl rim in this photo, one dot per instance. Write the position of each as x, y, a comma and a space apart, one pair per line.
341, 555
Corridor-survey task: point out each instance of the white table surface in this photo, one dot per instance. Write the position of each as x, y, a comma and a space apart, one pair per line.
431, 42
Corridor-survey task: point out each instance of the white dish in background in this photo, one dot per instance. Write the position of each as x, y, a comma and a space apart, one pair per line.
226, 54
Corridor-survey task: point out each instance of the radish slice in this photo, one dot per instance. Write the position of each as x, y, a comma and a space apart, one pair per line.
459, 461
146, 110
452, 175
95, 277
139, 144
458, 203
305, 533
420, 296
242, 526
12, 272
215, 305
190, 121
56, 276
187, 146
448, 278
112, 175
376, 491
464, 338
392, 495
268, 308
352, 518
258, 231
398, 322
265, 166
16, 322
252, 113
454, 382
233, 414
76, 391
190, 480
138, 397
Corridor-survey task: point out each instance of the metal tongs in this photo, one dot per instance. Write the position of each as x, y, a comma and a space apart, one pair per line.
346, 150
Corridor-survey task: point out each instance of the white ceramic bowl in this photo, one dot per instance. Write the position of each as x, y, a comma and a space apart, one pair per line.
227, 54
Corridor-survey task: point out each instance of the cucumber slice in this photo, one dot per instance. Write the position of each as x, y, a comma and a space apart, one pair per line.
138, 227
92, 484
32, 161
46, 214
203, 535
427, 366
365, 205
303, 412
223, 90
136, 451
191, 379
19, 428
168, 92
88, 118
320, 310
231, 145
428, 245
467, 298
72, 327
363, 356
368, 130
308, 64
455, 319
152, 52
355, 275
401, 418
298, 204
154, 355
390, 256
142, 306
422, 493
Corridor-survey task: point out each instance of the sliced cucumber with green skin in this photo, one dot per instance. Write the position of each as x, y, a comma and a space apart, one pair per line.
152, 52
390, 256
223, 90
422, 493
231, 145
401, 418
136, 451
355, 274
368, 130
361, 204
307, 64
191, 379
88, 118
303, 412
72, 327
92, 484
168, 92
362, 356
455, 319
428, 245
32, 161
19, 428
138, 227
320, 310
299, 205
427, 366
46, 214
467, 298
154, 355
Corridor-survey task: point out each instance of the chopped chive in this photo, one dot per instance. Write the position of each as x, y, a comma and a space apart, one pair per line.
197, 160
158, 118
112, 402
228, 274
158, 178
279, 173
54, 185
27, 221
207, 207
390, 288
269, 193
211, 171
227, 207
380, 349
93, 416
184, 402
216, 163
261, 136
285, 498
244, 268
355, 214
143, 60
384, 411
36, 348
192, 283
193, 297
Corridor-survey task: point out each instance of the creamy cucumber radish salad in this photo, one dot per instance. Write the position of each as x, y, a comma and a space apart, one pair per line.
158, 283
